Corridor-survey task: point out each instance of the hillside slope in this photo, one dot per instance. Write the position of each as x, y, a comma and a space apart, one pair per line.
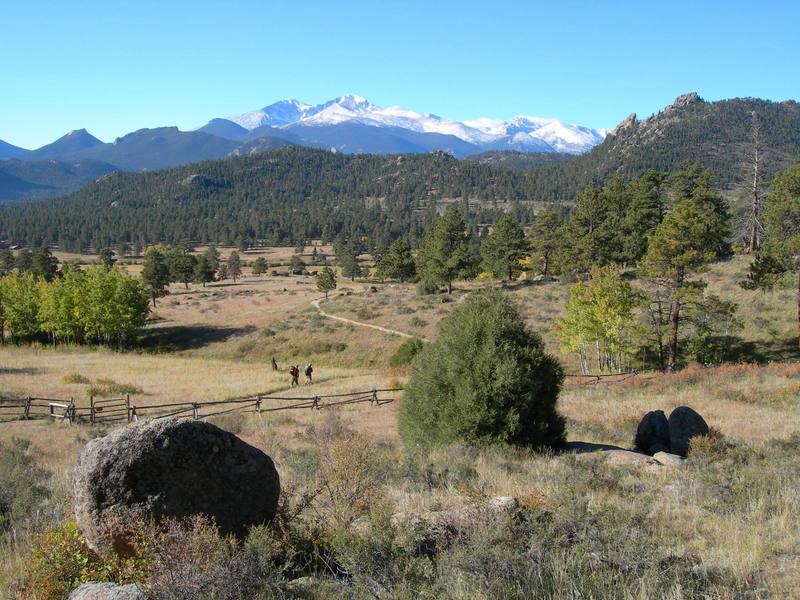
716, 134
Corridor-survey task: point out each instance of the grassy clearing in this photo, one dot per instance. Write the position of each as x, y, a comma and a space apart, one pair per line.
726, 526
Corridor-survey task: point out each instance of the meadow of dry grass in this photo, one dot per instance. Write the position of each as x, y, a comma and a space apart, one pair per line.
733, 516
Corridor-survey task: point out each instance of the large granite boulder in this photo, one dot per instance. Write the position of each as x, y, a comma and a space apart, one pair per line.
652, 434
684, 424
170, 468
107, 591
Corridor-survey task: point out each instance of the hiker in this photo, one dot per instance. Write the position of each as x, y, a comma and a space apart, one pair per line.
309, 371
294, 371
274, 364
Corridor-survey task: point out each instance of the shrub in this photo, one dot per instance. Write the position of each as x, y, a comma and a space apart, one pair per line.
22, 484
417, 322
406, 352
425, 287
486, 379
75, 378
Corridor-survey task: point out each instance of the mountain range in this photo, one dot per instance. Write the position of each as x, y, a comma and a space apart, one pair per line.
349, 124
293, 192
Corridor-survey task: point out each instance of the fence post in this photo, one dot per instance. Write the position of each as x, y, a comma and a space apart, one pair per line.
194, 410
258, 405
91, 410
27, 410
70, 413
128, 406
134, 416
316, 403
374, 397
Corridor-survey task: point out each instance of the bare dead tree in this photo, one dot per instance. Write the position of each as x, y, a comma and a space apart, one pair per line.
755, 159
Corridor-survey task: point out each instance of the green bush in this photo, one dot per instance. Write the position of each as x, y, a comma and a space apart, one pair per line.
23, 486
406, 352
486, 379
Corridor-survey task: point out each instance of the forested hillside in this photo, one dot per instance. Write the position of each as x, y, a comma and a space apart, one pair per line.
296, 193
282, 196
718, 135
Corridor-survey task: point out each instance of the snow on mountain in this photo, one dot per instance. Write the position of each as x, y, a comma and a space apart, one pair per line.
522, 132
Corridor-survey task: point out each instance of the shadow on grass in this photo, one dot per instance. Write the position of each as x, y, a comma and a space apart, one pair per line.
21, 371
178, 338
584, 447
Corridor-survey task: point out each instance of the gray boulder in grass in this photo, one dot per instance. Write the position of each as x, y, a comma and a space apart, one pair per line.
170, 468
107, 591
684, 424
652, 434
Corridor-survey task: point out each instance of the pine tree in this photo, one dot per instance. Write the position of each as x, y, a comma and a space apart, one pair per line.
326, 280
106, 257
43, 264
781, 249
259, 265
155, 274
234, 266
181, 268
443, 256
203, 273
397, 263
6, 262
504, 247
694, 233
545, 238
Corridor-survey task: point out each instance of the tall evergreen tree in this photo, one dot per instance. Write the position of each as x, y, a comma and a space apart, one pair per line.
443, 256
397, 263
181, 268
504, 247
155, 274
43, 264
203, 273
234, 266
326, 280
545, 238
106, 257
694, 233
781, 248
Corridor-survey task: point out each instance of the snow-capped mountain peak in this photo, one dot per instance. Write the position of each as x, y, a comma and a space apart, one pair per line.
522, 132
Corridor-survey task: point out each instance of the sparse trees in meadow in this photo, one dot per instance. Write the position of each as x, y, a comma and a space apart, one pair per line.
693, 234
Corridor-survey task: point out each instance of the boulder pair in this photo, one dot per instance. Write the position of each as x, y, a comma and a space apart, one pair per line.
656, 433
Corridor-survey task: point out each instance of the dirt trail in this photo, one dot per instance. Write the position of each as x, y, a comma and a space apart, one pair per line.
316, 302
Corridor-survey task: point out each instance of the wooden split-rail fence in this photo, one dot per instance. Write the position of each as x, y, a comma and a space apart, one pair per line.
117, 410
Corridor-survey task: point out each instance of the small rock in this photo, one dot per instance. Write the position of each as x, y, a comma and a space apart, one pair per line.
107, 591
669, 460
652, 434
684, 424
621, 457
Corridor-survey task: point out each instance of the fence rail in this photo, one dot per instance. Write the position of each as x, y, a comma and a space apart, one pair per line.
115, 410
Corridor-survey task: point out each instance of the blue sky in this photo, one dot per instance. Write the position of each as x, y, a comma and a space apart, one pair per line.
114, 67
